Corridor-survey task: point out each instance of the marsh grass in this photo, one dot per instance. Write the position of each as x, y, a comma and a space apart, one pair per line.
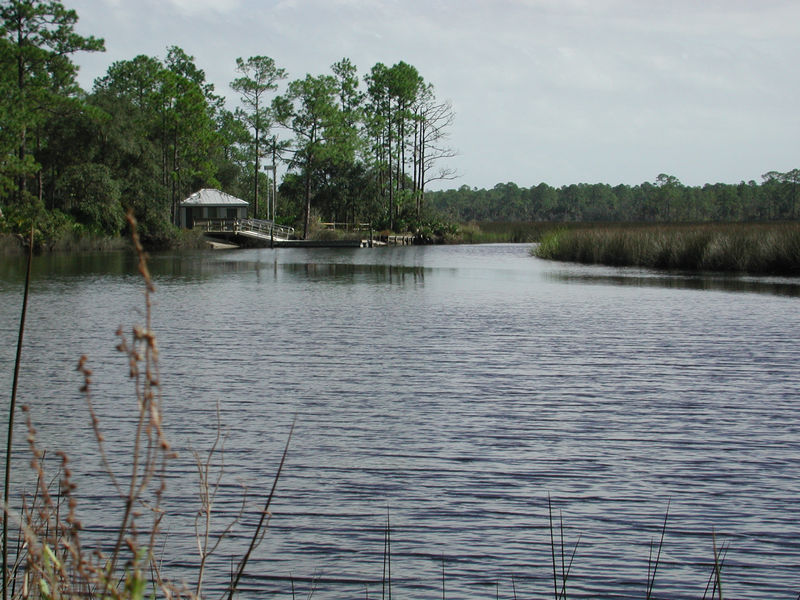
51, 561
337, 235
740, 248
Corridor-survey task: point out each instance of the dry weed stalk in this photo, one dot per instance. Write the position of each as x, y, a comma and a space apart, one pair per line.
151, 450
50, 562
207, 495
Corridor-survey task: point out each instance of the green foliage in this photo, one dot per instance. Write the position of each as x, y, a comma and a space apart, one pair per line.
51, 228
394, 119
152, 131
309, 110
260, 76
162, 141
94, 197
159, 234
37, 39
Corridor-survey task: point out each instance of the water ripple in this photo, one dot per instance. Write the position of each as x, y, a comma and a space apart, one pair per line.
453, 391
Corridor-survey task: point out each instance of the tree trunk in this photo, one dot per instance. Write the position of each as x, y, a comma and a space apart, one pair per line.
255, 182
21, 181
175, 179
421, 180
39, 183
307, 219
274, 179
391, 182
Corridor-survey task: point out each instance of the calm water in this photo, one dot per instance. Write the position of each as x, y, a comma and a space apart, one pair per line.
454, 388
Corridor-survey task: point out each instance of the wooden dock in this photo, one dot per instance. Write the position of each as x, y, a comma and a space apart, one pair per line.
261, 233
245, 232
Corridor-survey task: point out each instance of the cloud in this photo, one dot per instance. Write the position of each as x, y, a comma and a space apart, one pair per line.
204, 7
620, 90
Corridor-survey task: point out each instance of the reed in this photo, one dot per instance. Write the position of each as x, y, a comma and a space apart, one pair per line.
754, 248
386, 582
652, 565
12, 412
558, 550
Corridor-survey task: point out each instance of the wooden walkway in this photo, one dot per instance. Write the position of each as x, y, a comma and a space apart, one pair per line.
262, 233
257, 231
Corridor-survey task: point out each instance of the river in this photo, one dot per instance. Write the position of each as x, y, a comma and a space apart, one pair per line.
454, 390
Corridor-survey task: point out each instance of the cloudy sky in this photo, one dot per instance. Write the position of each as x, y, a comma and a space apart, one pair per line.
554, 91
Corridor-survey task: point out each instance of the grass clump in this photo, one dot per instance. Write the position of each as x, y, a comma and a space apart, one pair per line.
740, 248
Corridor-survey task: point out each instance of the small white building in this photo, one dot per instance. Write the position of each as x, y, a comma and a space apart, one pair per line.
208, 204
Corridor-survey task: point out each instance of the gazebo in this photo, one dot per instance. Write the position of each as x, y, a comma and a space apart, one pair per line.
208, 204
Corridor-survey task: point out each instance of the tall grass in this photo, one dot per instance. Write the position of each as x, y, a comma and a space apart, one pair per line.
742, 248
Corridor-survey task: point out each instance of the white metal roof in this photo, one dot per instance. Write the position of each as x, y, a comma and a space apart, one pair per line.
208, 197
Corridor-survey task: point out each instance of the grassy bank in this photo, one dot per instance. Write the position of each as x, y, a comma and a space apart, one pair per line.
755, 248
16, 245
512, 232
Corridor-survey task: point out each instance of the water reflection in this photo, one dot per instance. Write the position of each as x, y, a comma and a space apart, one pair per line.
203, 266
367, 265
13, 268
782, 287
350, 273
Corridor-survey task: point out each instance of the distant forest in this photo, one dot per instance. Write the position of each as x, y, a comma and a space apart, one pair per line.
664, 200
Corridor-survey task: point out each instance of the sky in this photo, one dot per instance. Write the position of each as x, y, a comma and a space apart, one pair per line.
553, 91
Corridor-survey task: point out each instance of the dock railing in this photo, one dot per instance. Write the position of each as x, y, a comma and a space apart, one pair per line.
259, 226
215, 225
347, 226
265, 228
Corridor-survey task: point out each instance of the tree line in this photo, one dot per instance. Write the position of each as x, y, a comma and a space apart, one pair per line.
664, 200
356, 148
